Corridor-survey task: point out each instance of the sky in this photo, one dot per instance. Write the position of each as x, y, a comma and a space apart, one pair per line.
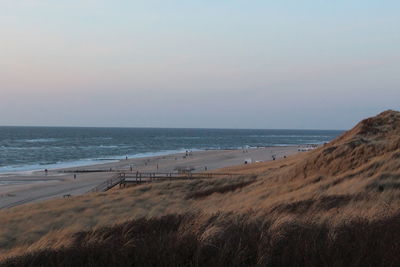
310, 64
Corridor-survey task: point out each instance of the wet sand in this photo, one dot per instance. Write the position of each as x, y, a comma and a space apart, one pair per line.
26, 187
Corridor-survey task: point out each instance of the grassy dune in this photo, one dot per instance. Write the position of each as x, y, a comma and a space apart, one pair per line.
226, 239
337, 205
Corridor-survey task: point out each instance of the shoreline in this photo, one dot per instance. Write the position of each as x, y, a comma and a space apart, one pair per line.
56, 183
31, 168
89, 162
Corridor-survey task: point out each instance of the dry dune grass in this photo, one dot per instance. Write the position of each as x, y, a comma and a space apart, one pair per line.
36, 226
341, 197
226, 239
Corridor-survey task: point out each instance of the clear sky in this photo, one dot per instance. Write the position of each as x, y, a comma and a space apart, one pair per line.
313, 64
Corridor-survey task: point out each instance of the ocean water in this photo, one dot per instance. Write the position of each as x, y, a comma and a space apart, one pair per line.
30, 148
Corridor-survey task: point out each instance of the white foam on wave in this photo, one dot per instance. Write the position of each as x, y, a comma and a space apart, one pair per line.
29, 169
39, 140
36, 167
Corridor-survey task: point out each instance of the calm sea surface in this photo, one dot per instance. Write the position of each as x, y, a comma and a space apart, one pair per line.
30, 148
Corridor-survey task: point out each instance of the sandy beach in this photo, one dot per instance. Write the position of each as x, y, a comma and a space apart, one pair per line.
25, 187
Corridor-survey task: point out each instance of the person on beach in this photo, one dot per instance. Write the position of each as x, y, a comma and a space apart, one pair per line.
74, 176
45, 171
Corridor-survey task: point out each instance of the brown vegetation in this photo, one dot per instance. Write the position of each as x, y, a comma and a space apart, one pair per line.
336, 205
221, 189
185, 240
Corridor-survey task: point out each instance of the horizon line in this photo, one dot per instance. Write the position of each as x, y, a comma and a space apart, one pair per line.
155, 127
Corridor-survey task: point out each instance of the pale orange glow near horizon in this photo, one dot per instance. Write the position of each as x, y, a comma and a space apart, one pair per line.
230, 64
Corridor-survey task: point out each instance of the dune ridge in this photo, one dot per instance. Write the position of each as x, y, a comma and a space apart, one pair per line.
371, 138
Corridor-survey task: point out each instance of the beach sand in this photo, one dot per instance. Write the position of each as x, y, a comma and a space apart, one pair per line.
26, 187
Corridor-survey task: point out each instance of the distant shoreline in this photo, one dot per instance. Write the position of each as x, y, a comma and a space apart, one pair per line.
38, 148
27, 169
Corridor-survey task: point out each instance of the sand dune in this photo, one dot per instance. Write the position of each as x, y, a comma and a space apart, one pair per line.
337, 205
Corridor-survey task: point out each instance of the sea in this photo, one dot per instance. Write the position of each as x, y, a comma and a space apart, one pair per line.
35, 148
